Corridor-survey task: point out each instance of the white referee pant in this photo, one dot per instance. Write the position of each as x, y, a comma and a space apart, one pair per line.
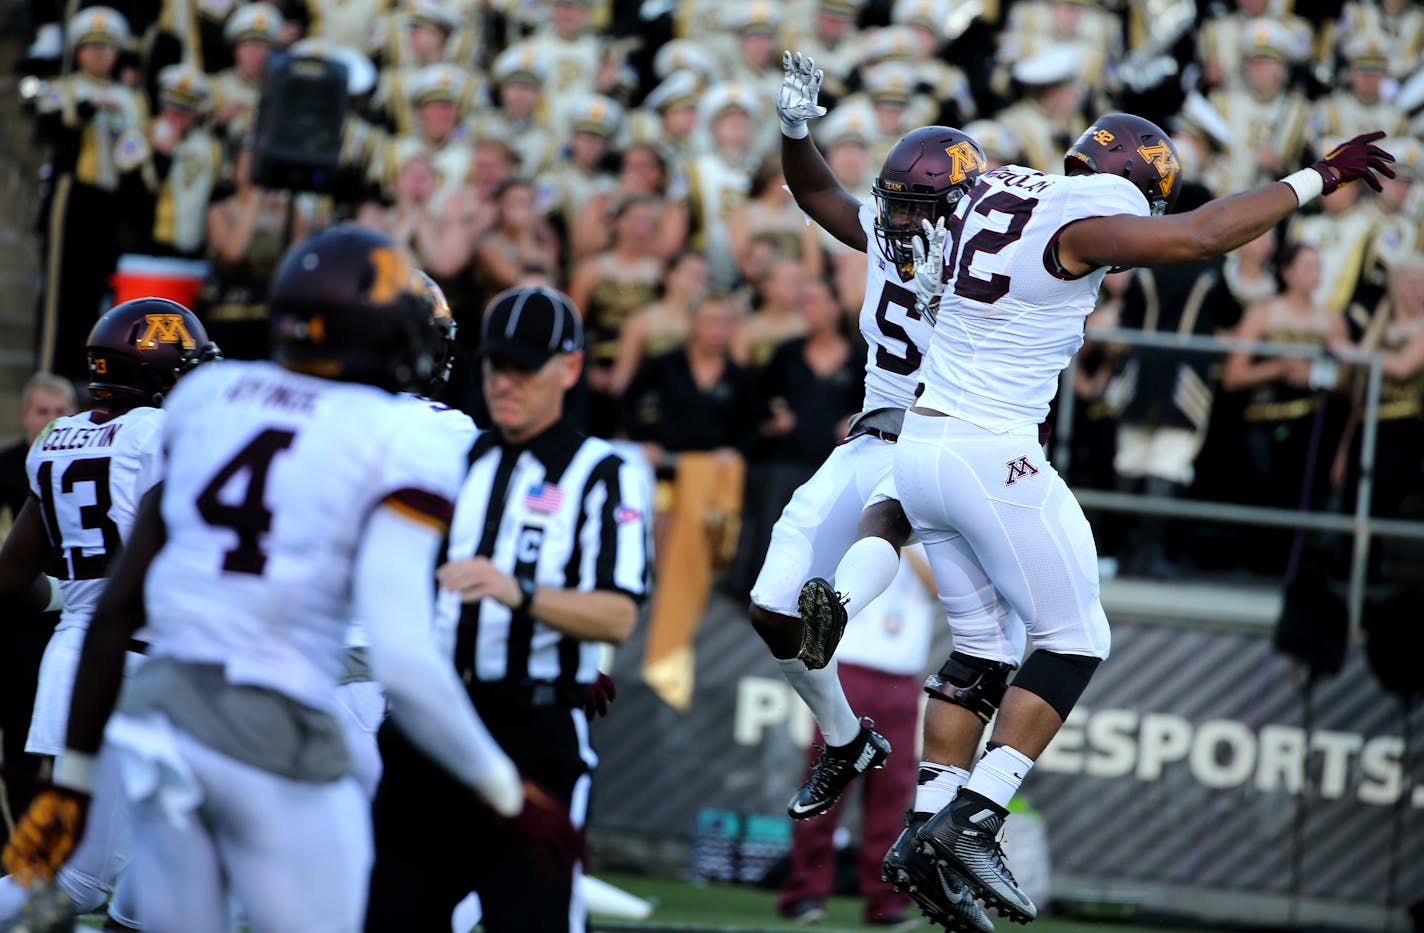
293, 855
818, 525
997, 520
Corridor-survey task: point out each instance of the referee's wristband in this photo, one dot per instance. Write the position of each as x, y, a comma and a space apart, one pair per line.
1307, 185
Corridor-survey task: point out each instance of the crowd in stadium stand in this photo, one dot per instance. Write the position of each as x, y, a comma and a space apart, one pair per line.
626, 152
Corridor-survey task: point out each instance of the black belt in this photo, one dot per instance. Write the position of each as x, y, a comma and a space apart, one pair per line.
533, 694
885, 436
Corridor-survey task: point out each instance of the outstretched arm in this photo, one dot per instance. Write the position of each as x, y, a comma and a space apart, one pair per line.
810, 179
1218, 227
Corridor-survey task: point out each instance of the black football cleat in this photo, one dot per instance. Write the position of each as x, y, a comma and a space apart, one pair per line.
835, 769
964, 838
823, 621
942, 896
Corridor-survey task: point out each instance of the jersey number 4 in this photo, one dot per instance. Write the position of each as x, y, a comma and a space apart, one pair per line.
249, 518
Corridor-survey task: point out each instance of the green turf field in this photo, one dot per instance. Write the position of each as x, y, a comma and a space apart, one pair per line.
682, 905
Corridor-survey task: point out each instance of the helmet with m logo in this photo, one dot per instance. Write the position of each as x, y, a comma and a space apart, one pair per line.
346, 304
1136, 149
924, 175
139, 348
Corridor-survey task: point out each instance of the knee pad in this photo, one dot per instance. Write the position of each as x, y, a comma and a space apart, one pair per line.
1059, 679
973, 683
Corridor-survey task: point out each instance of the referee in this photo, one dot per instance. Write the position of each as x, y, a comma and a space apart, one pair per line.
547, 558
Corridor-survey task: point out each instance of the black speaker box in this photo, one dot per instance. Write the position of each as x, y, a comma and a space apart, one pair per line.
297, 143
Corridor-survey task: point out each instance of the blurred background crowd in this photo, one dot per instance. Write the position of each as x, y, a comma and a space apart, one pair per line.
626, 152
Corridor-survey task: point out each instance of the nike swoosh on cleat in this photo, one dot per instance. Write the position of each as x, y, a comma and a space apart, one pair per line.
797, 808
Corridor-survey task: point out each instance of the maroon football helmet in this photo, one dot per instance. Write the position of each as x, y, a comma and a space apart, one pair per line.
1136, 149
345, 304
138, 349
924, 175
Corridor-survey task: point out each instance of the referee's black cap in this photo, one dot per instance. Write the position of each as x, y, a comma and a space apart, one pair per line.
529, 325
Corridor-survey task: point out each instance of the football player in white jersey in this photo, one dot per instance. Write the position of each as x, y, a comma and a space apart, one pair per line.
298, 495
363, 704
87, 473
848, 508
1025, 256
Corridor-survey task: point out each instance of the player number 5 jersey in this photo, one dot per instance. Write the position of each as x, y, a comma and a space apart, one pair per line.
894, 332
1009, 320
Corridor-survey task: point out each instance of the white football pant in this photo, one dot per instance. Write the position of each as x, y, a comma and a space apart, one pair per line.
294, 855
818, 524
998, 521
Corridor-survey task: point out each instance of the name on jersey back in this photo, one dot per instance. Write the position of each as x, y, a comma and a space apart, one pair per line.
1030, 181
74, 437
265, 392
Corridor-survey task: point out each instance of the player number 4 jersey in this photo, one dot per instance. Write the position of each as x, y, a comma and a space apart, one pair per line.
896, 335
271, 478
1009, 320
88, 472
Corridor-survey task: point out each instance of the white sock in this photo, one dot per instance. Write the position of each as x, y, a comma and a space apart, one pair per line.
867, 570
936, 786
823, 693
999, 774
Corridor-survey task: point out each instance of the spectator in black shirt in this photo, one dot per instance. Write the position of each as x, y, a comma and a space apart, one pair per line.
24, 634
694, 398
813, 383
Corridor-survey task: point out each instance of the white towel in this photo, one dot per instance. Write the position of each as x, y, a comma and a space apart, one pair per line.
151, 767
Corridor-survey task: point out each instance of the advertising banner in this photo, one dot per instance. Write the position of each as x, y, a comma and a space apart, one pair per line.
1182, 768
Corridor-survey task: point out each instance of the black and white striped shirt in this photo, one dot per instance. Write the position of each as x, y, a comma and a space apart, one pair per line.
566, 510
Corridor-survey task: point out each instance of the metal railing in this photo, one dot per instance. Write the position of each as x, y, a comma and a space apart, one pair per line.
1361, 525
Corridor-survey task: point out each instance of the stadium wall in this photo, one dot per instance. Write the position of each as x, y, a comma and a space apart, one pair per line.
1174, 788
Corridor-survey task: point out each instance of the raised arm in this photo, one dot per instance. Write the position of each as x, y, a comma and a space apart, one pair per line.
1218, 227
810, 179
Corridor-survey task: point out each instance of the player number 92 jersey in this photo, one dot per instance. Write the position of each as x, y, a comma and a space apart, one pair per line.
88, 473
1010, 319
271, 478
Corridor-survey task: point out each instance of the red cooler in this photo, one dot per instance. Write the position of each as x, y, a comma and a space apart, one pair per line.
178, 280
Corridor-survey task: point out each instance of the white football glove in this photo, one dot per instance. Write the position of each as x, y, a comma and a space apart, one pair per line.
929, 268
796, 101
